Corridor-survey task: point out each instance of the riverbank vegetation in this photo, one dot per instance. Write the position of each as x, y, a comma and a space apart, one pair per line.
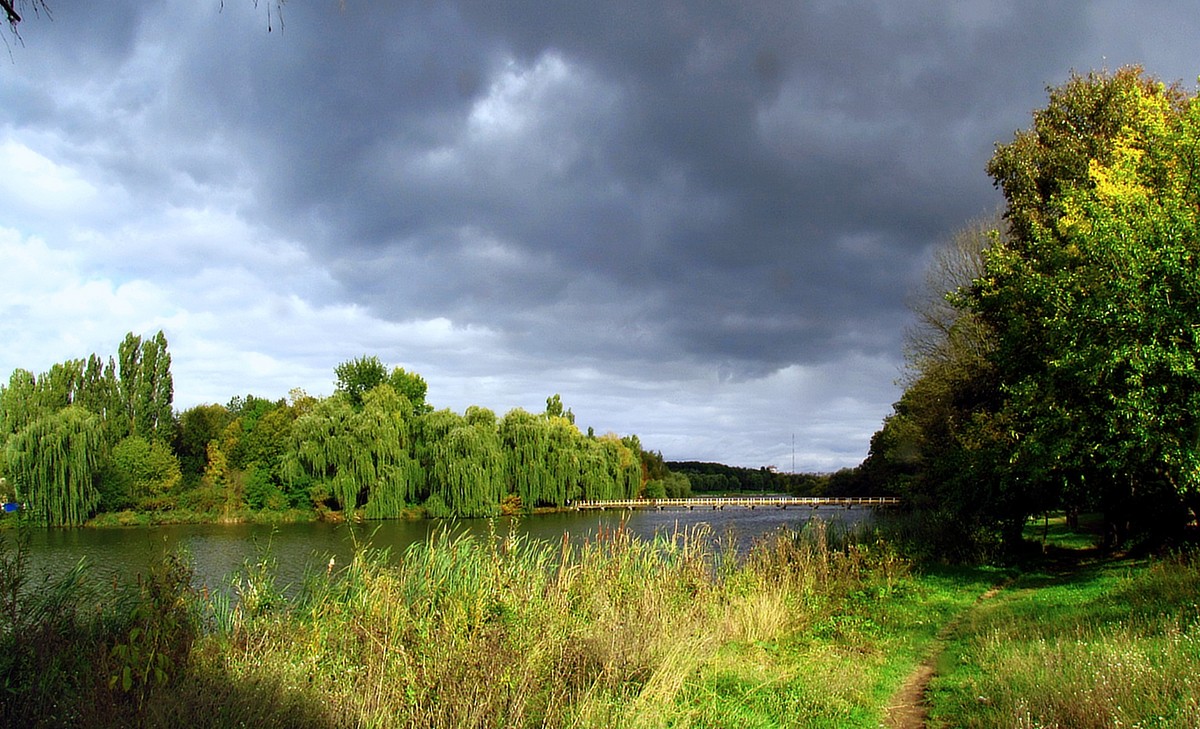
810, 629
462, 631
95, 437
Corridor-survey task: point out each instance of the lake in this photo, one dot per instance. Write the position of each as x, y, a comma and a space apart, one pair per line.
217, 551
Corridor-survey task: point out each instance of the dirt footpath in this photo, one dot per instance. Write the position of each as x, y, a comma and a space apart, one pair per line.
907, 708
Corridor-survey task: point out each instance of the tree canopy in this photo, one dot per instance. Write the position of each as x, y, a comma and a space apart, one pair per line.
1065, 375
53, 461
1096, 306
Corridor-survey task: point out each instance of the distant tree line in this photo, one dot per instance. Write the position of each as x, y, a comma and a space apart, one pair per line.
97, 435
718, 477
1057, 362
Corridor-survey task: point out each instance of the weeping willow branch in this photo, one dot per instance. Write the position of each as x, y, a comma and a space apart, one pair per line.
53, 463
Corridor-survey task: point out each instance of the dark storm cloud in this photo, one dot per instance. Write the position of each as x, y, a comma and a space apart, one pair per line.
748, 181
742, 186
645, 168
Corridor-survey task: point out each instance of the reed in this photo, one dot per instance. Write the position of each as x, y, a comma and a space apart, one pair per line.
808, 628
612, 631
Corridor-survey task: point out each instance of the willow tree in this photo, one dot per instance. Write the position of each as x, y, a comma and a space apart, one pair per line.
594, 480
566, 462
525, 439
53, 462
397, 474
611, 470
359, 456
466, 473
430, 430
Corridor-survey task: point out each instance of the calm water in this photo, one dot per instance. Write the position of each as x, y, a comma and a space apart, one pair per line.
219, 550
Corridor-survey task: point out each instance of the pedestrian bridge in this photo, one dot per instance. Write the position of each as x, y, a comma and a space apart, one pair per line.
749, 502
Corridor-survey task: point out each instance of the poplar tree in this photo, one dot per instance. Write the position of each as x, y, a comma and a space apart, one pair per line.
19, 405
145, 386
100, 393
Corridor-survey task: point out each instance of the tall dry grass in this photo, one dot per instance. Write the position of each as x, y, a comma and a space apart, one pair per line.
500, 631
465, 632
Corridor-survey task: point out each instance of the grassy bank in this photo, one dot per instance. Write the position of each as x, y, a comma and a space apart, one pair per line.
131, 517
808, 630
1105, 644
615, 632
185, 516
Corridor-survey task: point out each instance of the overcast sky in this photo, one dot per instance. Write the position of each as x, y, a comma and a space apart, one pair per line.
696, 221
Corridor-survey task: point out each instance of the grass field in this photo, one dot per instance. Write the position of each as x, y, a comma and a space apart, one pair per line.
1081, 641
808, 632
812, 629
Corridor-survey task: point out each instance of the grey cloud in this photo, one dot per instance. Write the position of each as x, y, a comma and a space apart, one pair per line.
713, 156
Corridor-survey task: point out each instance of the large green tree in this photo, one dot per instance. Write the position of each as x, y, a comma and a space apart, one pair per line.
411, 387
1096, 301
358, 376
1055, 366
53, 462
145, 386
356, 456
198, 426
139, 472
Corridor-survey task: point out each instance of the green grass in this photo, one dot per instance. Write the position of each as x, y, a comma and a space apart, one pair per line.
816, 629
1111, 643
844, 665
813, 629
1054, 532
